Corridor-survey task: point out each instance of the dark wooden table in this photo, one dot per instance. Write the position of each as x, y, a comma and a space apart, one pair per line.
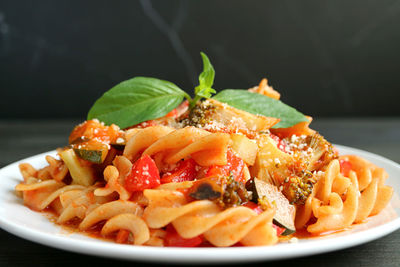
20, 139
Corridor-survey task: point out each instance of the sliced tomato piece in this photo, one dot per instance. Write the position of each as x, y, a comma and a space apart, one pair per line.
173, 239
144, 175
173, 113
235, 165
185, 171
345, 167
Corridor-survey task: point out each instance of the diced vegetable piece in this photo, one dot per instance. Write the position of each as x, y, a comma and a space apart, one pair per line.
322, 151
226, 113
284, 214
92, 150
120, 142
144, 175
112, 153
235, 167
91, 139
214, 115
185, 171
206, 188
224, 191
297, 188
173, 239
94, 129
82, 175
279, 168
272, 164
235, 193
173, 113
245, 148
119, 147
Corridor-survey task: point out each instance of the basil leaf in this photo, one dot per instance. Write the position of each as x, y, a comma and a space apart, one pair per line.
261, 105
206, 81
206, 78
135, 101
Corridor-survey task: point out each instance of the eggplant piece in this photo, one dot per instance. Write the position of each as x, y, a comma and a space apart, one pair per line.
225, 192
285, 212
205, 191
206, 188
119, 147
119, 143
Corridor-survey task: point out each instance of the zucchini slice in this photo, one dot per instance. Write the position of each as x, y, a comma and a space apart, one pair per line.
92, 151
82, 175
285, 212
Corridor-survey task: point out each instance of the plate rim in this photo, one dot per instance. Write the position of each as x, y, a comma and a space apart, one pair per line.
197, 255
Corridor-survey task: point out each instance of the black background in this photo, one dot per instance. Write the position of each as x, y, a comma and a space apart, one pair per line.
327, 58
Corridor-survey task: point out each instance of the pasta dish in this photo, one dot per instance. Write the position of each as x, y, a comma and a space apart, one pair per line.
152, 166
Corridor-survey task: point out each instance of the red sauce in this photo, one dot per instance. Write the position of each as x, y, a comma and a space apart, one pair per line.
72, 226
303, 234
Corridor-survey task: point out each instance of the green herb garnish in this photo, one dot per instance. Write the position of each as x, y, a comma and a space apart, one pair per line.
136, 100
206, 79
143, 98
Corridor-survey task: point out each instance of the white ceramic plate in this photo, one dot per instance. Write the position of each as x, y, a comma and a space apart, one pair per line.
21, 221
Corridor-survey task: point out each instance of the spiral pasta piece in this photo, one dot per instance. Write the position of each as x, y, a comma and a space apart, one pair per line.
367, 174
144, 138
91, 209
56, 170
203, 148
156, 238
115, 176
220, 228
130, 222
109, 210
27, 171
168, 146
337, 201
176, 140
78, 203
40, 194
